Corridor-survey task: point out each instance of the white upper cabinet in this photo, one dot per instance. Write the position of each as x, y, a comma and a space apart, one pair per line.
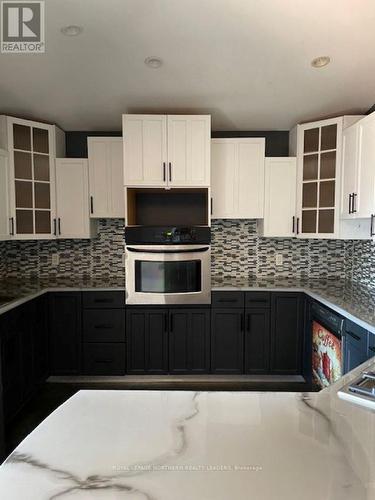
32, 149
105, 156
188, 149
72, 200
163, 151
350, 171
237, 178
4, 202
280, 197
358, 194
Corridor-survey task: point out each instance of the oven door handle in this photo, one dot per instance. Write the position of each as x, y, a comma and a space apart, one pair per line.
190, 250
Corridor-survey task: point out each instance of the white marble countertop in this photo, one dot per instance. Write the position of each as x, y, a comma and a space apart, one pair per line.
152, 445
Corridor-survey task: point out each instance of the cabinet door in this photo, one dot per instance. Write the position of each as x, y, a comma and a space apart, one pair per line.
105, 155
11, 364
31, 178
147, 340
227, 332
366, 167
350, 170
250, 180
189, 338
257, 341
65, 333
223, 165
189, 144
72, 199
319, 175
4, 202
238, 178
145, 150
280, 197
286, 333
354, 354
40, 335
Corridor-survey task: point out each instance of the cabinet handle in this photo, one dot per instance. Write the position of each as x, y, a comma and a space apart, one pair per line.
59, 225
372, 225
170, 172
354, 203
166, 323
212, 206
248, 323
92, 204
171, 323
103, 301
350, 203
54, 227
297, 225
164, 171
103, 360
242, 322
103, 327
353, 335
293, 224
227, 300
11, 229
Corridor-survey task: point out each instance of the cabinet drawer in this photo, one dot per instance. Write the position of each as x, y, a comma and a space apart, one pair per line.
357, 334
103, 300
104, 359
106, 325
227, 299
256, 300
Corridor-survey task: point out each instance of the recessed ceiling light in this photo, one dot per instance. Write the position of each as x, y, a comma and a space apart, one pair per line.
71, 30
320, 62
153, 62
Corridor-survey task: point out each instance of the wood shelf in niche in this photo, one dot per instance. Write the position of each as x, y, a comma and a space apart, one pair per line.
161, 207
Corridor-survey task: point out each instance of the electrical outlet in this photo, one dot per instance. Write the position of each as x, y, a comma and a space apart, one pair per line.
279, 259
55, 259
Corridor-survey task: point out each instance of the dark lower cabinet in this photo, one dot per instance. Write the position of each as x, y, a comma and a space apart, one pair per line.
65, 332
104, 358
257, 341
147, 340
227, 340
41, 339
189, 341
287, 326
355, 345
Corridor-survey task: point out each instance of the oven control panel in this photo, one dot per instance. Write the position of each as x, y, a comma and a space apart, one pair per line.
152, 235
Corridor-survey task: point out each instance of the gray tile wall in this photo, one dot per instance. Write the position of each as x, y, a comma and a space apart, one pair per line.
237, 250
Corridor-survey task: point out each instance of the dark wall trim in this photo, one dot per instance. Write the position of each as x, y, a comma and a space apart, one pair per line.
277, 142
76, 142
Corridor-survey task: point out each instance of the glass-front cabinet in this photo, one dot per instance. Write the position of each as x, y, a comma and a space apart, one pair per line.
32, 148
318, 178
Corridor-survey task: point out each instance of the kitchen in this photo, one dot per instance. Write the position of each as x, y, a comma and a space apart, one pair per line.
163, 261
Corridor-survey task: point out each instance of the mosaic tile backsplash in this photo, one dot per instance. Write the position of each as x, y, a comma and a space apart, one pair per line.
237, 250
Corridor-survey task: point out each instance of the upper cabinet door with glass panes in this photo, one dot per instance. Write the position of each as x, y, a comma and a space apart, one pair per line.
32, 150
318, 178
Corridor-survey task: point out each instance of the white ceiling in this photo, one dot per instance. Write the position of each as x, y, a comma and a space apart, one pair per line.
246, 62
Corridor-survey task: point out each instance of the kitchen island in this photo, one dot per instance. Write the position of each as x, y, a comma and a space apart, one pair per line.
202, 446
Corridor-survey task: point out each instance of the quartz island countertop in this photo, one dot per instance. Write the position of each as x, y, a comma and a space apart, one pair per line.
153, 445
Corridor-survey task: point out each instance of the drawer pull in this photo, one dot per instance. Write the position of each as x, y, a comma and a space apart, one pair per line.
353, 335
103, 301
228, 300
104, 327
103, 360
